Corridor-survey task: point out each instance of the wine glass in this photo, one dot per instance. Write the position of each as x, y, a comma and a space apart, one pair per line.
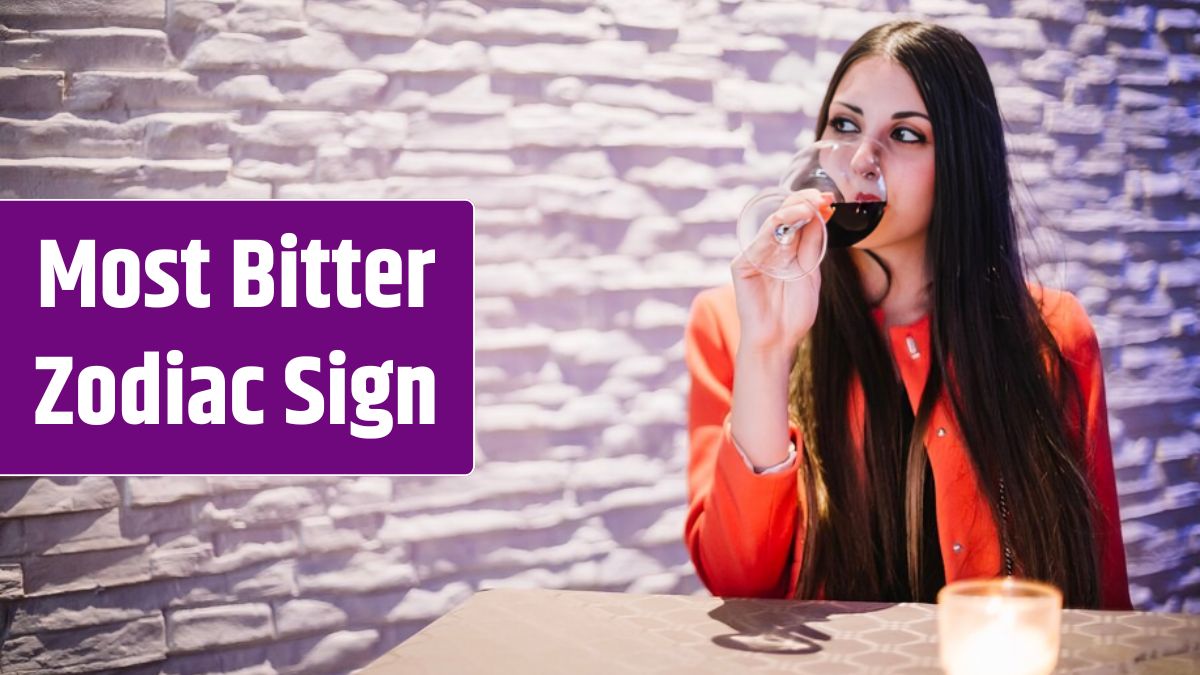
847, 173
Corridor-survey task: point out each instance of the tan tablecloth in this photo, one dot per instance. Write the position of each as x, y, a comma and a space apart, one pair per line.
584, 632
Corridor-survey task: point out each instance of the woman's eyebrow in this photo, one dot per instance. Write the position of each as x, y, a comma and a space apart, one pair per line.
896, 116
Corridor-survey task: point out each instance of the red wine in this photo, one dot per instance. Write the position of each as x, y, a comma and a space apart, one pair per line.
851, 222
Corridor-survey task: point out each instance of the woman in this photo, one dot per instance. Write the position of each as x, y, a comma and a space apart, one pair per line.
914, 412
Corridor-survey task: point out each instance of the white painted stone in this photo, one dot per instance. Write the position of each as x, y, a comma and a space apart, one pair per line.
78, 532
274, 580
473, 96
137, 91
1068, 11
783, 19
1146, 184
668, 17
679, 66
184, 135
640, 95
301, 616
848, 24
337, 650
618, 569
640, 367
595, 59
419, 603
293, 128
200, 628
38, 496
1052, 66
676, 134
646, 235
323, 534
118, 12
1176, 19
281, 504
658, 407
609, 201
514, 279
368, 17
719, 206
1087, 38
761, 97
247, 89
339, 165
30, 90
674, 173
546, 394
665, 530
1183, 68
453, 164
653, 313
588, 347
379, 130
1097, 70
564, 90
1000, 33
196, 15
948, 7
274, 18
528, 24
76, 49
241, 548
1179, 274
180, 555
52, 574
1082, 119
425, 56
147, 490
234, 51
614, 472
53, 136
364, 572
588, 540
12, 582
552, 126
588, 412
347, 89
489, 134
86, 650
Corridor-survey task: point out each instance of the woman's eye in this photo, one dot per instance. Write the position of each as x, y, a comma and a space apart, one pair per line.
843, 125
907, 136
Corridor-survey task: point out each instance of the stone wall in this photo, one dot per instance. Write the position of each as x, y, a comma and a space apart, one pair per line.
607, 146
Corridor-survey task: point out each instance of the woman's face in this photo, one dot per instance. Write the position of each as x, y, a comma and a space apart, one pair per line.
878, 99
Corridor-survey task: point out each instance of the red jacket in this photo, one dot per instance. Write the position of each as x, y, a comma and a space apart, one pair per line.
744, 531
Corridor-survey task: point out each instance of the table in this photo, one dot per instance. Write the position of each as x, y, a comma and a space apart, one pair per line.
584, 632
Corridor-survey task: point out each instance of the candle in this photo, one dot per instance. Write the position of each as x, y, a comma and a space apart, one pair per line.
999, 626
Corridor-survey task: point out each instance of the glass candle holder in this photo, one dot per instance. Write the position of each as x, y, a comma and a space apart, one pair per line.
1008, 625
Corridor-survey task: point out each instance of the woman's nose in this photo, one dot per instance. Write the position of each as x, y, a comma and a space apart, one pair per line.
867, 160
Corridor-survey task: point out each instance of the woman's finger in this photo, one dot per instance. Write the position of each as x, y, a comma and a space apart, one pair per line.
777, 239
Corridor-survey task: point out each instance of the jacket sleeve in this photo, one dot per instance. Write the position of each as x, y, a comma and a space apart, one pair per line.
1089, 371
740, 525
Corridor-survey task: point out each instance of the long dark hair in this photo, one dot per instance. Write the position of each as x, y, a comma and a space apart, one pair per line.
1006, 378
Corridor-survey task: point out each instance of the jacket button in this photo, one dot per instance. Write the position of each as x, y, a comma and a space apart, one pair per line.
913, 351
957, 547
941, 431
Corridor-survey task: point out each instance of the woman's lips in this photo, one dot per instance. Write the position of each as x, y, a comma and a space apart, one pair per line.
867, 197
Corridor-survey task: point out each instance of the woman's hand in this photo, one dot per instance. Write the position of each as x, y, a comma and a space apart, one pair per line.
775, 314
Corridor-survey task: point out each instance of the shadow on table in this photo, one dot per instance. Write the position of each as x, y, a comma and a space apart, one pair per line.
781, 627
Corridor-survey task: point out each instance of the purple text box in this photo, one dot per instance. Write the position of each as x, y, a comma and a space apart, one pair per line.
437, 336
